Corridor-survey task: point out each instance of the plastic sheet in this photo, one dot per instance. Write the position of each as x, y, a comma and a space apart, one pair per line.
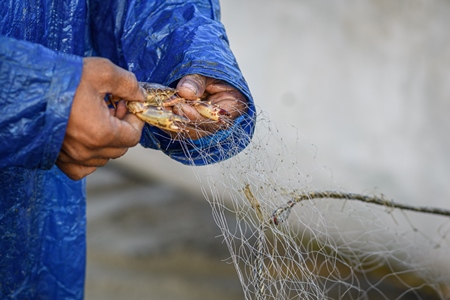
42, 212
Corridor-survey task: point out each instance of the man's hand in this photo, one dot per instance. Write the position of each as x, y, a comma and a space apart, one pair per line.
192, 87
95, 133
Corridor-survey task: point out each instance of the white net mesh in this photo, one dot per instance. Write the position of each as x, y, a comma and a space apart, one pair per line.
293, 233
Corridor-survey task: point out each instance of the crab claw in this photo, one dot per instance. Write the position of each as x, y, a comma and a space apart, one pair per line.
210, 111
158, 117
158, 98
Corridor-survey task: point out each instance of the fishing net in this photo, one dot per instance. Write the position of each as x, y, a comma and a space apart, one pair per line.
294, 233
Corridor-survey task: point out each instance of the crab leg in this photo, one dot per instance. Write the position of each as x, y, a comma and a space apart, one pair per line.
159, 97
159, 117
210, 111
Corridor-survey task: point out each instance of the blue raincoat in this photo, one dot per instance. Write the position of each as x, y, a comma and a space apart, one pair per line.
42, 212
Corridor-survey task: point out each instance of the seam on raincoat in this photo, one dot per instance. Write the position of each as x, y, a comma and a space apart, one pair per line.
60, 98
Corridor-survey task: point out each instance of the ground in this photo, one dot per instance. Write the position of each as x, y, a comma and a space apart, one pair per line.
150, 240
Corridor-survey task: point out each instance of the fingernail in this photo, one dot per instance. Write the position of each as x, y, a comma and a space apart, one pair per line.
191, 86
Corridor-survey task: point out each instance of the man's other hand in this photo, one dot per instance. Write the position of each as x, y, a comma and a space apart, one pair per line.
95, 133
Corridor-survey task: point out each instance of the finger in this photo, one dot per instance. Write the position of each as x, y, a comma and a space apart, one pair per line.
126, 86
75, 172
126, 132
191, 87
214, 86
196, 131
188, 111
116, 80
112, 132
199, 125
64, 157
233, 102
112, 111
121, 110
90, 157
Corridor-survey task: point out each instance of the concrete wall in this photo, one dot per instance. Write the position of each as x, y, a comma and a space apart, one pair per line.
366, 81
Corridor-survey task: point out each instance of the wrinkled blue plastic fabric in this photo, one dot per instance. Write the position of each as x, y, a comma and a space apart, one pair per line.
42, 212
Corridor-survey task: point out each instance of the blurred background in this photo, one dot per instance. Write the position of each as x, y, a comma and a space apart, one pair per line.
366, 81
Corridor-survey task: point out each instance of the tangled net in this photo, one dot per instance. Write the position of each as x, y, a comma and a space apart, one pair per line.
293, 233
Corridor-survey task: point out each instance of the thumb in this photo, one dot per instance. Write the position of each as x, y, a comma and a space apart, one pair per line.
191, 86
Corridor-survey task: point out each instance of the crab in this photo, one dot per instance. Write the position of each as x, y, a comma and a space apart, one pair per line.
159, 98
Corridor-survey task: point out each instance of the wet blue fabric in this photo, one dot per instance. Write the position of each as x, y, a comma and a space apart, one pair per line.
42, 212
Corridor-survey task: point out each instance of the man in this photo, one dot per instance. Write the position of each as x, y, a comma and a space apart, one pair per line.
55, 127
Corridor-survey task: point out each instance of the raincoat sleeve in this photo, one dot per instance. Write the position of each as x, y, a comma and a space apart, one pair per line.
37, 86
161, 41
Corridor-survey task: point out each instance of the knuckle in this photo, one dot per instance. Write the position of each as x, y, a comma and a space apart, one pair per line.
76, 154
101, 162
134, 142
132, 79
130, 83
104, 69
75, 172
80, 173
104, 62
83, 156
99, 62
75, 177
135, 139
119, 153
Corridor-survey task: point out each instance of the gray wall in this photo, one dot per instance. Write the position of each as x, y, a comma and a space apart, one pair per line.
365, 81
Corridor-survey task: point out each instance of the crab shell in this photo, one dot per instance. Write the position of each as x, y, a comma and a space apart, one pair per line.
159, 96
